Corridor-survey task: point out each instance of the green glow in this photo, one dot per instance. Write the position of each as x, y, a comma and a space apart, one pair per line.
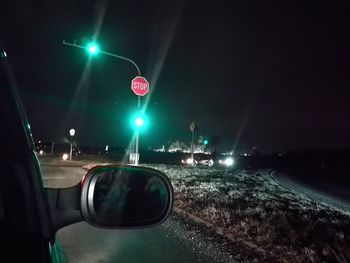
93, 48
139, 122
205, 142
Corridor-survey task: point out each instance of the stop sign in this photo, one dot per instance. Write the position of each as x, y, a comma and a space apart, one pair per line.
140, 86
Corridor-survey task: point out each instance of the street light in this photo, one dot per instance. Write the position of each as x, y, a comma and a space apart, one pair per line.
71, 133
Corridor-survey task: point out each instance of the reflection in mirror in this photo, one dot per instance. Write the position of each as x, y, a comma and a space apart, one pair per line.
128, 196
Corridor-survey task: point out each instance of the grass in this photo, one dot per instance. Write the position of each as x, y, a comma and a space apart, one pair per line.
273, 222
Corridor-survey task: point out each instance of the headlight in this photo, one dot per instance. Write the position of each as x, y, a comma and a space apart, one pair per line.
229, 161
189, 161
65, 156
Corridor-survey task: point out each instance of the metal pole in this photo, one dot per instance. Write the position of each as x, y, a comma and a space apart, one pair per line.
137, 135
137, 148
124, 58
71, 150
192, 146
106, 53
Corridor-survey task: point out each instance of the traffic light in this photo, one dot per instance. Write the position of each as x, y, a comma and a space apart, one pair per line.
139, 121
92, 48
205, 141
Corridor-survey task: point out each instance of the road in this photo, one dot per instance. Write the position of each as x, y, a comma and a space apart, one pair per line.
329, 193
60, 175
169, 242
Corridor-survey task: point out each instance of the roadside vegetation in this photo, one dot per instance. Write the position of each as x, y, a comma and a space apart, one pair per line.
253, 212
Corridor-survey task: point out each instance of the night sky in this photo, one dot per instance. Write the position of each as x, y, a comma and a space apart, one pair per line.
269, 74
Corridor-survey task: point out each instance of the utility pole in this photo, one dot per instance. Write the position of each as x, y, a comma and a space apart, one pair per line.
192, 128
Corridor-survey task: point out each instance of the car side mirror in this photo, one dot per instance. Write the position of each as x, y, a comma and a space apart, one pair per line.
123, 196
114, 196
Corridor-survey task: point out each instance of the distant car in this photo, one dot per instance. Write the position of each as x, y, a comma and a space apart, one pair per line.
208, 162
203, 160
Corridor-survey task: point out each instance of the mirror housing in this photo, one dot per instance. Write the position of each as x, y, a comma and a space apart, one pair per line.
125, 196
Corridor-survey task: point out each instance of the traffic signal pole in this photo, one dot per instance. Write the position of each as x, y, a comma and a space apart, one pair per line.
106, 53
137, 155
192, 147
193, 129
136, 161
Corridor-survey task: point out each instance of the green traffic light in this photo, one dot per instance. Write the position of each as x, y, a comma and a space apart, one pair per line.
205, 142
92, 48
139, 122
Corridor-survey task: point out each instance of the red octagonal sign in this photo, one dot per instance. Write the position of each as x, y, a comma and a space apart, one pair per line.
140, 86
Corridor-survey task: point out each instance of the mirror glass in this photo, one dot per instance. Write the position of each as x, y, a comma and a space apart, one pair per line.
127, 196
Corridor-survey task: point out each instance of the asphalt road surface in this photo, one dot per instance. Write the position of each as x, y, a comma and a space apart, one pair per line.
169, 242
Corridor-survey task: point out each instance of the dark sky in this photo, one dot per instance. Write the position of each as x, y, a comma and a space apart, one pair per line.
271, 74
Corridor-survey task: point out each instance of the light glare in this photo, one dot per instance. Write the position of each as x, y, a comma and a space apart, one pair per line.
229, 161
65, 156
139, 122
72, 132
189, 161
93, 48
